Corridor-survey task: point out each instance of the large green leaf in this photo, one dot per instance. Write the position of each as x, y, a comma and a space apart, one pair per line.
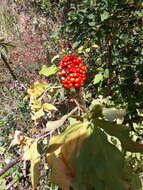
100, 165
111, 113
121, 132
47, 71
70, 133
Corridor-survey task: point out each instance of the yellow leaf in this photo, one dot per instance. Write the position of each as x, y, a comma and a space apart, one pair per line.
87, 50
48, 107
35, 105
95, 46
31, 153
37, 89
35, 172
38, 114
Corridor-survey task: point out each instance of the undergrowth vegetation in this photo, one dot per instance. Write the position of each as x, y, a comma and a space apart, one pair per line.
71, 104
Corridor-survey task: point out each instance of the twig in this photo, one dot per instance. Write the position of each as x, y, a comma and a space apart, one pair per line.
8, 66
53, 125
9, 165
11, 184
47, 89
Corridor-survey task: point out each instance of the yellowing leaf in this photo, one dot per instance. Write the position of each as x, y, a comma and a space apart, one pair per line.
60, 173
48, 107
71, 132
31, 153
35, 172
66, 147
37, 89
47, 71
35, 105
38, 114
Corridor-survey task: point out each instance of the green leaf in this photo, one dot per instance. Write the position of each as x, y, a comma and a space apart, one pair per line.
111, 113
47, 71
104, 15
91, 16
75, 44
110, 173
106, 73
121, 132
98, 78
52, 125
91, 23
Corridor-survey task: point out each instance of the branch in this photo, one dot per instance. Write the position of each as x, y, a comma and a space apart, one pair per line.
9, 165
8, 66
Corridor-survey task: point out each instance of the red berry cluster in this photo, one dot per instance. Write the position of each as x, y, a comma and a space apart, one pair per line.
72, 71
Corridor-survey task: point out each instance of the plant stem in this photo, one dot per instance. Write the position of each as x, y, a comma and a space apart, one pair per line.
81, 99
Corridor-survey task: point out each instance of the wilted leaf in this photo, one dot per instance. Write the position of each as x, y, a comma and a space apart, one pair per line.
35, 172
60, 173
87, 50
47, 71
98, 78
95, 46
35, 104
